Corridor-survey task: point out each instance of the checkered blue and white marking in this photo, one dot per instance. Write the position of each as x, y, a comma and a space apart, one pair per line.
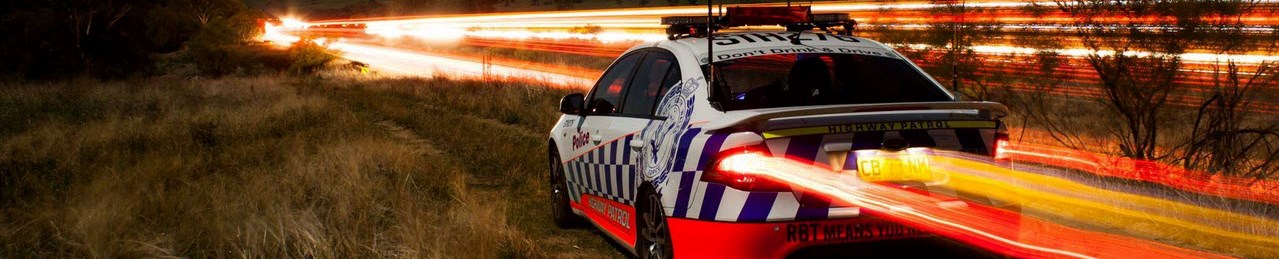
610, 171
605, 172
710, 201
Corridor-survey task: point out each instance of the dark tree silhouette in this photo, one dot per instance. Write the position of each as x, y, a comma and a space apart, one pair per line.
45, 39
1141, 73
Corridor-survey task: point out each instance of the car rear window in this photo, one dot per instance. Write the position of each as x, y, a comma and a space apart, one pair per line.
785, 80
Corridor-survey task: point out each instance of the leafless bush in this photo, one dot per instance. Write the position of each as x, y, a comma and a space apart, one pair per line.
1141, 70
1226, 137
957, 36
1042, 106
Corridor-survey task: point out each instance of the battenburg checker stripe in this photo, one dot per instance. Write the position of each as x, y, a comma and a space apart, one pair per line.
710, 202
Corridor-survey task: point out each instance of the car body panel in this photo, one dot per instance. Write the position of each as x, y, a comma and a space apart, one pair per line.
717, 239
610, 160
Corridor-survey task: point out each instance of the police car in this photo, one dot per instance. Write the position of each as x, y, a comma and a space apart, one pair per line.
639, 155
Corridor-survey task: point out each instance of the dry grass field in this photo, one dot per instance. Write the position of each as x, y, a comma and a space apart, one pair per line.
278, 167
335, 165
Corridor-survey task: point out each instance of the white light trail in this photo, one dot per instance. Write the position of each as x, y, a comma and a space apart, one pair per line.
407, 63
1201, 58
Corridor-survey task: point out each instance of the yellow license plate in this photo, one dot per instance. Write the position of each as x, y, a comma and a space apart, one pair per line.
894, 166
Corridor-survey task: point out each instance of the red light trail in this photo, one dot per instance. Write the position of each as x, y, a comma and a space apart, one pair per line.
994, 229
1261, 190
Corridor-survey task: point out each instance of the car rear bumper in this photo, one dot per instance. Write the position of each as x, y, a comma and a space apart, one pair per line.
693, 238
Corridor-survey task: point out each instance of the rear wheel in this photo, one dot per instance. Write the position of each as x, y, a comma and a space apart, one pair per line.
655, 235
560, 211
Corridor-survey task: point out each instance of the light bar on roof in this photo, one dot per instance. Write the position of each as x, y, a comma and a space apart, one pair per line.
794, 18
830, 17
684, 20
773, 15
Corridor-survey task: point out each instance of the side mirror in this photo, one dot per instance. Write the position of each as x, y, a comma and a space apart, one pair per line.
572, 103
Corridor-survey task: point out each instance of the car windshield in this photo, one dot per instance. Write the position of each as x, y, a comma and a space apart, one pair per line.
785, 80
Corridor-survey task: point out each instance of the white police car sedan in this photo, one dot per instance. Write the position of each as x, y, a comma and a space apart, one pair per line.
637, 155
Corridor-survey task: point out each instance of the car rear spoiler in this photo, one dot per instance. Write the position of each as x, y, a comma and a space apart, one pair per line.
755, 119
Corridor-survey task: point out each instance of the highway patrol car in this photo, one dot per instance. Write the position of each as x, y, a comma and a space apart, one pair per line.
638, 155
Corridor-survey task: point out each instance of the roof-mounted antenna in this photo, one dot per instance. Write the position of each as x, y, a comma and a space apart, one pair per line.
954, 47
710, 55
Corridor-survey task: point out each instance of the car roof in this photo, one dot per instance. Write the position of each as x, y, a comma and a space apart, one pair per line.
735, 44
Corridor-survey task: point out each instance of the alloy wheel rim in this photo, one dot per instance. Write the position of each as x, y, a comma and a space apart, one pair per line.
655, 228
557, 191
556, 194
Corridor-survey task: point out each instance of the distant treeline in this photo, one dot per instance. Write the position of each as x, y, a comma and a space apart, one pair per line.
47, 39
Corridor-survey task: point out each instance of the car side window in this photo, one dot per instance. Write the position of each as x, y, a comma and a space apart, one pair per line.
607, 94
673, 77
648, 85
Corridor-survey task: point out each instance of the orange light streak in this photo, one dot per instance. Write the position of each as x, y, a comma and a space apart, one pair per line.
1262, 190
974, 224
585, 49
552, 32
407, 63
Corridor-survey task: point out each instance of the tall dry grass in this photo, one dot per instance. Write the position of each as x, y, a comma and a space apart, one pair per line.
497, 128
247, 167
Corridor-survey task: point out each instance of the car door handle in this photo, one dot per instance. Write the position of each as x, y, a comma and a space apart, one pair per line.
596, 138
636, 144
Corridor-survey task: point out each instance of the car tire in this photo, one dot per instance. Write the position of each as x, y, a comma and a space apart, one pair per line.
654, 236
561, 213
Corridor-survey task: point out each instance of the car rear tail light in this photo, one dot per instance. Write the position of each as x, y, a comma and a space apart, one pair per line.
1001, 147
737, 168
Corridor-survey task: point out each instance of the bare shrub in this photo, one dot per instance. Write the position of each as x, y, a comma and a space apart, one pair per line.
1226, 137
1141, 73
957, 37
